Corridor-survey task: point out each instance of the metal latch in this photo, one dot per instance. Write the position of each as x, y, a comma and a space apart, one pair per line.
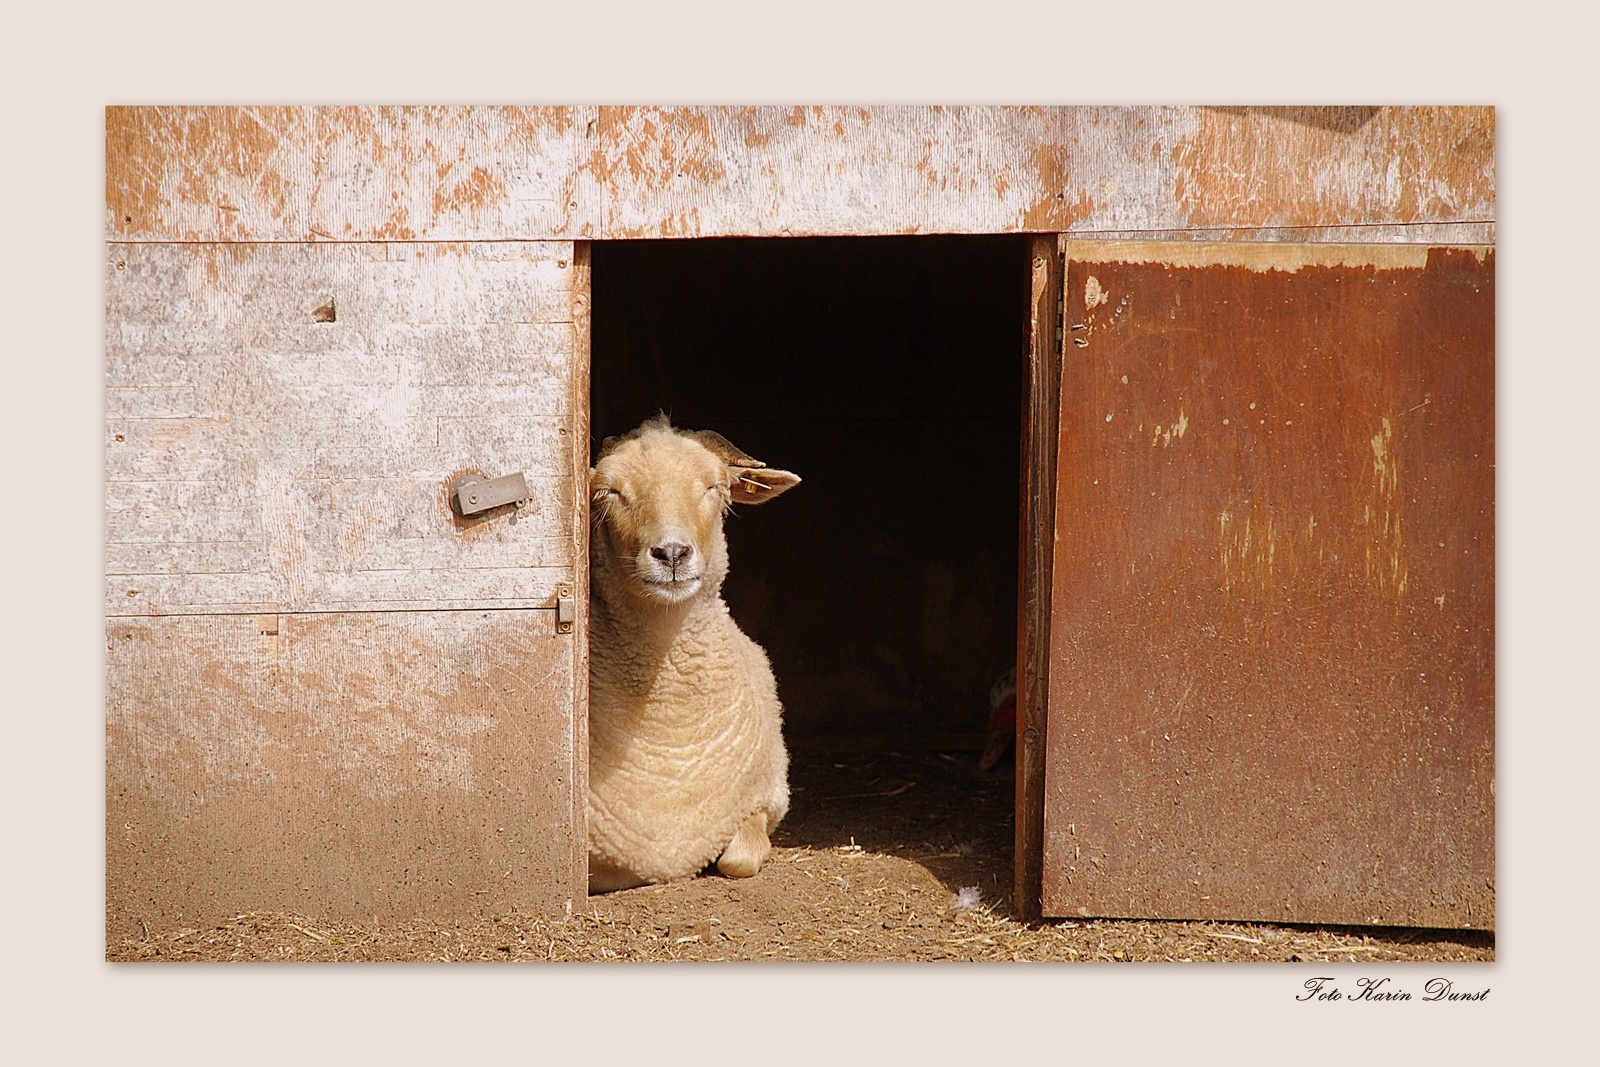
566, 609
478, 494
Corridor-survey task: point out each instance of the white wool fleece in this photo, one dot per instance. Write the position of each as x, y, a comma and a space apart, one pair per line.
685, 727
684, 738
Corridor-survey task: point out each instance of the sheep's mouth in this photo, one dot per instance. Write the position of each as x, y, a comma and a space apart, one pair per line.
672, 588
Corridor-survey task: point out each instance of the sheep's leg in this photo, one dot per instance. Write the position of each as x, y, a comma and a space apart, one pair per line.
748, 850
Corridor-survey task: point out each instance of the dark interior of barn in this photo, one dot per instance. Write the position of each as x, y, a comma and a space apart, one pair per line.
887, 373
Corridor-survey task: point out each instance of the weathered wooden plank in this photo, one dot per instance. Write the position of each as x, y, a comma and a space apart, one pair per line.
324, 451
180, 512
1036, 535
1429, 234
581, 382
350, 534
503, 435
392, 588
495, 358
202, 557
425, 174
1272, 664
183, 449
388, 766
344, 173
152, 402
345, 465
515, 283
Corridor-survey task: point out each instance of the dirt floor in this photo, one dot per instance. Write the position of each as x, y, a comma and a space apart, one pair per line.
883, 857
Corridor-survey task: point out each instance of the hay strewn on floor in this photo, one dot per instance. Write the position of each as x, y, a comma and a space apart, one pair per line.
884, 858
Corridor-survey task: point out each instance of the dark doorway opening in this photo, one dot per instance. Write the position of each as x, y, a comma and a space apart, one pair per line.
888, 373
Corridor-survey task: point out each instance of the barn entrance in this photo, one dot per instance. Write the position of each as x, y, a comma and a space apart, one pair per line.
888, 373
1257, 471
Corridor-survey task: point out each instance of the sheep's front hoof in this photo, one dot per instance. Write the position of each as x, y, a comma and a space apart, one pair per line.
748, 850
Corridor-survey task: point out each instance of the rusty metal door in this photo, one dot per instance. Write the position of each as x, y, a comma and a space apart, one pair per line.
327, 692
1271, 670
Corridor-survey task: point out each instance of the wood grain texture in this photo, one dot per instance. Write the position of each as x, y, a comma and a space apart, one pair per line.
259, 459
345, 173
1272, 648
355, 766
1036, 532
493, 173
583, 343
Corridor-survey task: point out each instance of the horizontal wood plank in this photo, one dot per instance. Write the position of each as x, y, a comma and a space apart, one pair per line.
345, 173
310, 174
354, 766
256, 454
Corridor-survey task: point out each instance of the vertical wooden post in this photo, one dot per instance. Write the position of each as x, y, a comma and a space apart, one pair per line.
582, 312
1039, 429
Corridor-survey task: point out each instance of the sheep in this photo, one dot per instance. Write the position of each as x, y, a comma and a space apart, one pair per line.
686, 756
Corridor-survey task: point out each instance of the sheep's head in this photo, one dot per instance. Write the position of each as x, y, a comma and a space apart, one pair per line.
656, 501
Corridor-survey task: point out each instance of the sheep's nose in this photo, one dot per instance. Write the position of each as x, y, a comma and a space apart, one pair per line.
672, 553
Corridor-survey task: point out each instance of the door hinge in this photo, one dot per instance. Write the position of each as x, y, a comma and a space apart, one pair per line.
566, 609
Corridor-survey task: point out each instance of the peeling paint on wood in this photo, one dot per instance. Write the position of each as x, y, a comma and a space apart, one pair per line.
481, 173
276, 474
343, 173
317, 317
350, 765
1272, 667
256, 455
1264, 256
1428, 234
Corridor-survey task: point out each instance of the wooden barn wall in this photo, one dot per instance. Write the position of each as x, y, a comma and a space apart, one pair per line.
565, 173
326, 692
264, 455
383, 765
281, 568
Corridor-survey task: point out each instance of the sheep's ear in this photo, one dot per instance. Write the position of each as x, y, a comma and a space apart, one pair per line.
726, 450
758, 485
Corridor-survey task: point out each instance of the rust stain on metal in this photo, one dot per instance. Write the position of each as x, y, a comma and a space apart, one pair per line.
1272, 666
1384, 518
